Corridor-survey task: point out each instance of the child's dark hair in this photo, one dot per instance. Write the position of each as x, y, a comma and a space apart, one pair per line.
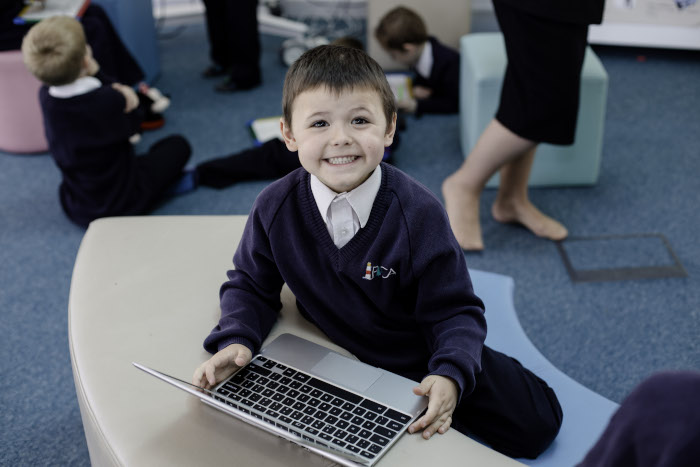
400, 26
336, 68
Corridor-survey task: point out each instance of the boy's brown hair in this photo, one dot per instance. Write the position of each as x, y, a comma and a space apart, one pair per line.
54, 50
336, 68
400, 26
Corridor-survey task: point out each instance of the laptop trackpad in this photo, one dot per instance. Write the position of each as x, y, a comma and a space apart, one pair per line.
347, 372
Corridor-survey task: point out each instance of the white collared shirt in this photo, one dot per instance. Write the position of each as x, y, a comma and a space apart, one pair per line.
346, 213
425, 61
79, 86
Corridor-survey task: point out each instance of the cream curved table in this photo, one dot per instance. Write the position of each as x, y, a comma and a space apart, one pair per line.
145, 289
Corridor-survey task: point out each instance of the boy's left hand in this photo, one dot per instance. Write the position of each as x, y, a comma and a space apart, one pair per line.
442, 395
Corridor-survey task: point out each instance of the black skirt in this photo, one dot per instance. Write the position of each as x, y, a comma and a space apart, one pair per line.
542, 82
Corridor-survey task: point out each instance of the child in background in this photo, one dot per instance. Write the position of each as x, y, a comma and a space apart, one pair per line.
88, 125
403, 34
317, 228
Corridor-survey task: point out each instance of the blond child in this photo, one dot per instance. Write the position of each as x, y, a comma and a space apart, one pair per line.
318, 227
88, 126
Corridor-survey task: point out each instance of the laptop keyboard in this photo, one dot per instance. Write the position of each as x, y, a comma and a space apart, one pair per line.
312, 409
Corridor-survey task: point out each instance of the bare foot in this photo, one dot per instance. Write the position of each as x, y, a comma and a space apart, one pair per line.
463, 211
531, 217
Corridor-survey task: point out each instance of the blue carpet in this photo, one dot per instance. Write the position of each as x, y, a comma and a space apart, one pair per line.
606, 335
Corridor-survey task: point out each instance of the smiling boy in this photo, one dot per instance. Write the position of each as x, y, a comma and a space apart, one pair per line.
318, 228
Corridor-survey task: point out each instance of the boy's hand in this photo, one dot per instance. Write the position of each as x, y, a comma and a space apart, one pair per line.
421, 92
222, 365
442, 395
132, 100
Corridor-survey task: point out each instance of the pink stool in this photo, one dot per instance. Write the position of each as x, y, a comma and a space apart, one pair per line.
21, 123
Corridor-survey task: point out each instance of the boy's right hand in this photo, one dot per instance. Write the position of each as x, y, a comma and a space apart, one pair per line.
132, 100
222, 365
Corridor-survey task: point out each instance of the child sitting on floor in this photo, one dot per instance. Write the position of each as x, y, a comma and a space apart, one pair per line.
88, 125
403, 34
316, 230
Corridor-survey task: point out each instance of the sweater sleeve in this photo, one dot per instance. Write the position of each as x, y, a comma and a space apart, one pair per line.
449, 313
250, 298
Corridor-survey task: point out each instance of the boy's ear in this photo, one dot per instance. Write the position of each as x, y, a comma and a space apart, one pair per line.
390, 131
288, 136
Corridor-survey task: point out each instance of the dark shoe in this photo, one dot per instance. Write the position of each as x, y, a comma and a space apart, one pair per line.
229, 85
214, 71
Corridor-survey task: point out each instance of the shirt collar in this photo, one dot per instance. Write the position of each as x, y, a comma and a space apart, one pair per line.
361, 198
425, 61
79, 86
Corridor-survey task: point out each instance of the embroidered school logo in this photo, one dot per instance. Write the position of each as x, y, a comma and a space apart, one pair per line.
377, 271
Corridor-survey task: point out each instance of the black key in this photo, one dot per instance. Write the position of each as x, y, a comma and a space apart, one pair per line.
231, 387
247, 402
331, 419
265, 401
381, 420
259, 407
352, 439
314, 402
321, 415
304, 397
307, 420
337, 402
299, 425
398, 416
295, 432
245, 393
358, 420
297, 405
268, 392
318, 424
296, 415
368, 425
325, 407
283, 389
374, 448
348, 406
325, 436
285, 380
379, 440
279, 425
342, 424
275, 376
340, 434
368, 455
329, 429
359, 411
301, 377
262, 380
285, 419
273, 385
309, 410
354, 449
295, 385
385, 432
255, 397
370, 415
313, 431
335, 390
281, 367
346, 416
335, 411
363, 443
261, 358
339, 443
247, 384
394, 425
252, 376
238, 378
373, 406
272, 413
305, 389
289, 372
326, 397
316, 393
276, 406
268, 364
286, 410
278, 397
364, 434
353, 428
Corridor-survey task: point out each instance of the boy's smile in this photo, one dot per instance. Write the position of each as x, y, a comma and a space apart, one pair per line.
340, 137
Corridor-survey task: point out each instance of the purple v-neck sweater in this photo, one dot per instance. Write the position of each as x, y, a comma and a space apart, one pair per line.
398, 295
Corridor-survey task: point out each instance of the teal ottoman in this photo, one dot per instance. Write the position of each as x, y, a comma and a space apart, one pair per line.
483, 62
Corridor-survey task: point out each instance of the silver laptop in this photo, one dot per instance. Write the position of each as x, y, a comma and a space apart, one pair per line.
337, 407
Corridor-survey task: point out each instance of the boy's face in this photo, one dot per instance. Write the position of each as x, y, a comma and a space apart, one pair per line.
340, 138
407, 56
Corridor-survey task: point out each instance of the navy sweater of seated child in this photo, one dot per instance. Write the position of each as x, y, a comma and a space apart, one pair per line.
398, 295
